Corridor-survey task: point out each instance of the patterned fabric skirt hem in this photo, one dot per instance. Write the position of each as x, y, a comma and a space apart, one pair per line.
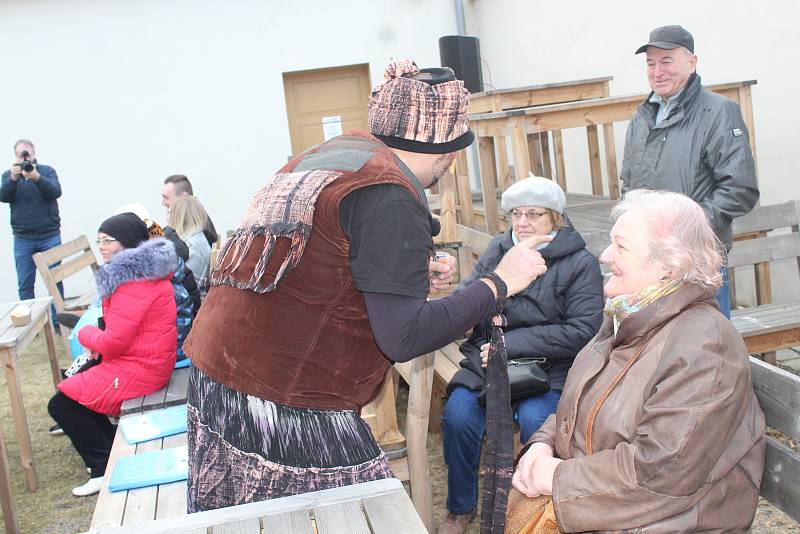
221, 475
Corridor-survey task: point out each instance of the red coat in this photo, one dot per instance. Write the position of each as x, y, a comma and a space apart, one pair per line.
140, 339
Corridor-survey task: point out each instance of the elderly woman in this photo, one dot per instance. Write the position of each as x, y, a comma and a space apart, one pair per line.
553, 318
658, 428
136, 349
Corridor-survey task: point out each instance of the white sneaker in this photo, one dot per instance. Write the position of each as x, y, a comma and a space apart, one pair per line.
90, 488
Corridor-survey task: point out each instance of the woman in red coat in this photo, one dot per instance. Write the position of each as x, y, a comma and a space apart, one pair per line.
137, 346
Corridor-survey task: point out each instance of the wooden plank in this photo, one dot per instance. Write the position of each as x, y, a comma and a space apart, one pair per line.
781, 473
764, 249
110, 507
759, 343
766, 218
503, 168
447, 209
594, 159
778, 393
342, 518
131, 406
10, 519
243, 526
558, 153
519, 149
745, 100
488, 181
393, 513
178, 387
611, 160
155, 400
72, 266
171, 500
194, 522
64, 250
419, 404
296, 522
547, 166
464, 189
479, 241
9, 360
141, 503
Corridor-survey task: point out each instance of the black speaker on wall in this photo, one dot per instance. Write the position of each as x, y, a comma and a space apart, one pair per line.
463, 55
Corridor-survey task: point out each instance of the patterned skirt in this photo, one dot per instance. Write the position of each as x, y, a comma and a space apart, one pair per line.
244, 449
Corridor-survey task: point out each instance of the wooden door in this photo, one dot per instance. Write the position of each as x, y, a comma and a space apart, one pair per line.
337, 95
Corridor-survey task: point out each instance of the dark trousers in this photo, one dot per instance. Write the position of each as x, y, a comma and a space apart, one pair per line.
91, 433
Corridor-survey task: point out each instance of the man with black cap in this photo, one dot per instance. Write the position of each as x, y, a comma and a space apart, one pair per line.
321, 288
685, 138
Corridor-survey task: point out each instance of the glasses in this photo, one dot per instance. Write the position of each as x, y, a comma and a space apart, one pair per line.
104, 242
531, 215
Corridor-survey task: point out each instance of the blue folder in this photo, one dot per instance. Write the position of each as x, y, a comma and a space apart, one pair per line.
180, 364
149, 469
155, 424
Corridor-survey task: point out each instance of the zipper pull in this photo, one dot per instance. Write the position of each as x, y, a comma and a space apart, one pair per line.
116, 383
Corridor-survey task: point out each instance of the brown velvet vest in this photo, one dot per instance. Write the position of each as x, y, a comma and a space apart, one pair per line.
308, 343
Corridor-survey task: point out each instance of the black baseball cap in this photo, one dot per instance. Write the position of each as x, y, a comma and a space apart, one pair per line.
668, 38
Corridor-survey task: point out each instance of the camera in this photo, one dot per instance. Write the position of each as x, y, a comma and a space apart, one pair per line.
27, 165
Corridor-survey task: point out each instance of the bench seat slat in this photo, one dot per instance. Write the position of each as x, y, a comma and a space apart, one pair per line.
781, 474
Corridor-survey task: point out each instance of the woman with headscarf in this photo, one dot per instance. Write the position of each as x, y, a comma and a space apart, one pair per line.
136, 349
658, 428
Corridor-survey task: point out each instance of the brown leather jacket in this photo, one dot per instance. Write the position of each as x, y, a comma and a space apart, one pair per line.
678, 446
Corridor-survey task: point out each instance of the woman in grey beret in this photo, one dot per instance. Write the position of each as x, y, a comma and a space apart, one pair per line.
553, 318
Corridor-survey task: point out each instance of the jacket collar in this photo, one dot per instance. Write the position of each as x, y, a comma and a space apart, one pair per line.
152, 260
677, 113
661, 311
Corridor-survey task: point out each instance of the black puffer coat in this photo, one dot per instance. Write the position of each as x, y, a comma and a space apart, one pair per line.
554, 317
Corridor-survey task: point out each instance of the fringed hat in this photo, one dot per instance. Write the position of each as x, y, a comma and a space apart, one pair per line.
420, 110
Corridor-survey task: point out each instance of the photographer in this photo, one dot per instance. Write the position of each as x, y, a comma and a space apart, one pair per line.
31, 189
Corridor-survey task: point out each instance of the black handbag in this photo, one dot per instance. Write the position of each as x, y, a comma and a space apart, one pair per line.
527, 377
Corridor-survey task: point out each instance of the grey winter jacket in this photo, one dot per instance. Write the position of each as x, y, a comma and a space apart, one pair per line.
700, 149
554, 317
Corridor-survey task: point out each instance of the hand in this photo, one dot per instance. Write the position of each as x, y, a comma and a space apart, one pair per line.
521, 265
92, 354
33, 175
485, 355
16, 170
441, 273
535, 470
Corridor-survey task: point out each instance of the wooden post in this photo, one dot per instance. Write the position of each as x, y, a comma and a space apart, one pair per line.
383, 412
746, 107
6, 498
464, 189
594, 159
419, 404
9, 359
558, 151
611, 159
488, 181
51, 349
519, 148
447, 206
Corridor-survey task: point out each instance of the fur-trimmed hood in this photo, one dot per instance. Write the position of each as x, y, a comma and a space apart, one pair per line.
152, 260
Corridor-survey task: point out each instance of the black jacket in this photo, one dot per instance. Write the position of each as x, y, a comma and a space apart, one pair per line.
554, 317
34, 205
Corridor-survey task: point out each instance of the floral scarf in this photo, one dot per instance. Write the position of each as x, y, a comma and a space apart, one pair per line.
623, 306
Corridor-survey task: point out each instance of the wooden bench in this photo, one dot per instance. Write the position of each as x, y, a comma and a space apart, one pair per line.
54, 267
378, 507
778, 392
769, 234
144, 504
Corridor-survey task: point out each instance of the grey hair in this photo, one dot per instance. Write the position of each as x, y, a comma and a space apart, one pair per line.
680, 235
24, 142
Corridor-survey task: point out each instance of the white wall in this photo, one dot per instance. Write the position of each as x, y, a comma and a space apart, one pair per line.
117, 95
525, 42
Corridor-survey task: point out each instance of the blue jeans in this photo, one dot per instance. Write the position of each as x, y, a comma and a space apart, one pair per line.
24, 249
463, 426
724, 294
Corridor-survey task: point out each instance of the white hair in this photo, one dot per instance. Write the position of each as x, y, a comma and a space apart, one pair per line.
680, 235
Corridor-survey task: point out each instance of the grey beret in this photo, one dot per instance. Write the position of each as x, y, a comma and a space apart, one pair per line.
534, 191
